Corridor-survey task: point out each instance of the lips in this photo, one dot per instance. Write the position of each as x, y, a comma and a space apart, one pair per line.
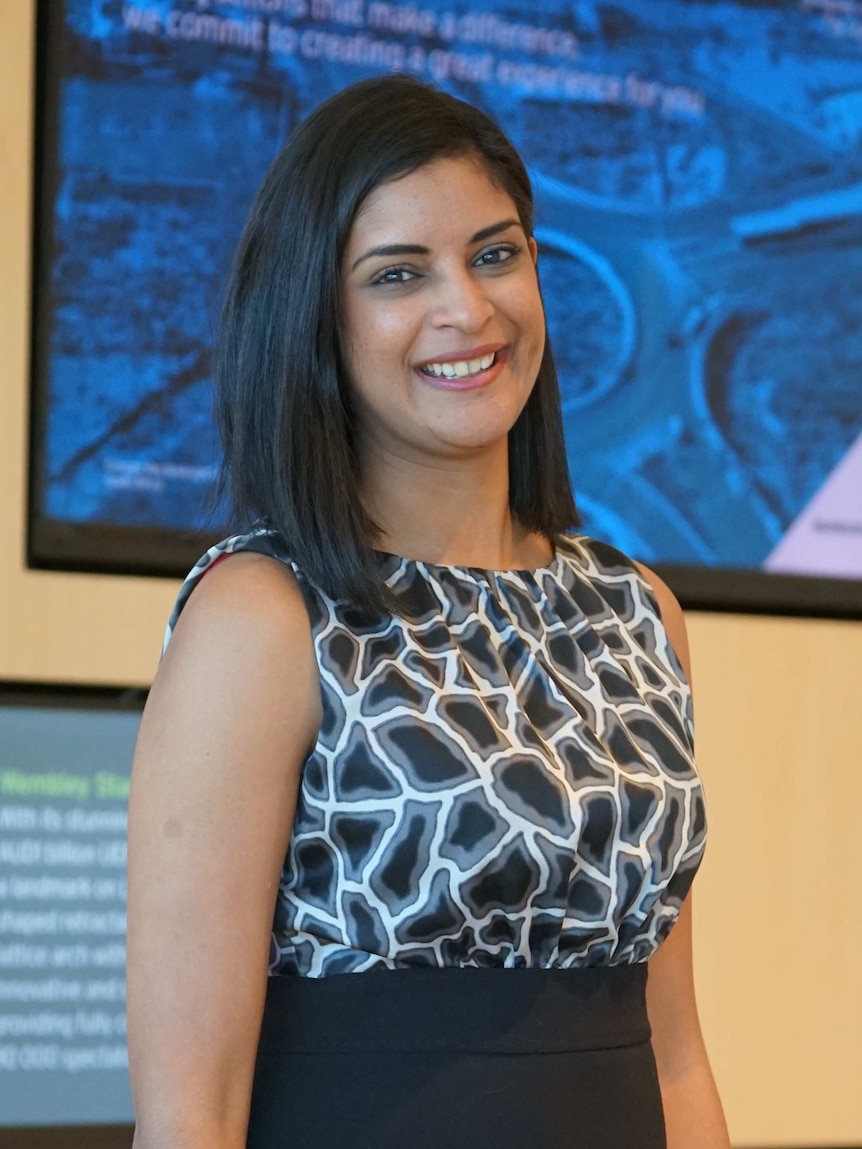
458, 368
464, 354
464, 370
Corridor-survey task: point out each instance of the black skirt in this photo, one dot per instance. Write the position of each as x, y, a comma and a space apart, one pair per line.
458, 1059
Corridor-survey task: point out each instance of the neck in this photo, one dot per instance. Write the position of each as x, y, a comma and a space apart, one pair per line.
449, 512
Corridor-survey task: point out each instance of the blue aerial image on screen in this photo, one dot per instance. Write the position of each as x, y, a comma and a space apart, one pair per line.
699, 188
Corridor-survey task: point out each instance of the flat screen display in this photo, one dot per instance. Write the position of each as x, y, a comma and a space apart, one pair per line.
699, 188
65, 758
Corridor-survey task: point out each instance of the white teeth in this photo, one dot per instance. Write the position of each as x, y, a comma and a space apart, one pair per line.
460, 368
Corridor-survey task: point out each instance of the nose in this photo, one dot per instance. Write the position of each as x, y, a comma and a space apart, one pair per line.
462, 302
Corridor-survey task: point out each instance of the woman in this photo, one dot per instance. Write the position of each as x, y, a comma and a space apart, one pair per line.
413, 750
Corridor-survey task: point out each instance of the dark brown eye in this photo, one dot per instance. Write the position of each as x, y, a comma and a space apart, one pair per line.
394, 276
493, 256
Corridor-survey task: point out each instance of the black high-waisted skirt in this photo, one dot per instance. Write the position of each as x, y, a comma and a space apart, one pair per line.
458, 1059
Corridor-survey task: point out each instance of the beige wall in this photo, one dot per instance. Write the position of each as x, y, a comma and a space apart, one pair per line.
778, 918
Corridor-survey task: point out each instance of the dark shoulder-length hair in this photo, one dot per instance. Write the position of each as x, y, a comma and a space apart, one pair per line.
282, 393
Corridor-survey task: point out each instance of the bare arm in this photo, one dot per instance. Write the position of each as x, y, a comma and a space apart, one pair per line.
693, 1112
232, 714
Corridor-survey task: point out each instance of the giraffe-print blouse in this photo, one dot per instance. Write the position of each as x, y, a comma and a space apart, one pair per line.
503, 776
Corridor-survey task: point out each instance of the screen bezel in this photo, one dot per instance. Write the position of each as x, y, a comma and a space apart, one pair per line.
67, 1137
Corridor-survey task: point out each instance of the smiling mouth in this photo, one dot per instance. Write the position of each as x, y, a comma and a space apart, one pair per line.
460, 368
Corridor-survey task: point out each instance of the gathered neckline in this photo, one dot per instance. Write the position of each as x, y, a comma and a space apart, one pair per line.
551, 566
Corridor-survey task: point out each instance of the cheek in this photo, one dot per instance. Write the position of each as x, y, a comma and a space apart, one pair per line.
534, 322
373, 356
360, 346
377, 336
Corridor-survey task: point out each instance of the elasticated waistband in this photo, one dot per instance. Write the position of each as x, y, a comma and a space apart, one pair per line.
457, 1010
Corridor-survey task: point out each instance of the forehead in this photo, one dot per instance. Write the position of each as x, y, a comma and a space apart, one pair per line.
457, 193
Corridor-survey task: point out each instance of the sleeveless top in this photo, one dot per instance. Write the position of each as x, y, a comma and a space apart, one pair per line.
503, 776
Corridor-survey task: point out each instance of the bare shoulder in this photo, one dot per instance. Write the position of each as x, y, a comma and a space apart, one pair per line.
242, 645
671, 615
248, 587
249, 602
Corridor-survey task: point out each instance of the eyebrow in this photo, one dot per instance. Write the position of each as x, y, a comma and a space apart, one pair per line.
418, 249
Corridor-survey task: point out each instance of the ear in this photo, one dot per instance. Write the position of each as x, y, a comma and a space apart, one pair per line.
534, 248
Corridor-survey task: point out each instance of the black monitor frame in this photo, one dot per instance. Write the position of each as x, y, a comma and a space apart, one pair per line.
67, 1137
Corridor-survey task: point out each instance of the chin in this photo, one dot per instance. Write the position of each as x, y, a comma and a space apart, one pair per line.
475, 438
480, 426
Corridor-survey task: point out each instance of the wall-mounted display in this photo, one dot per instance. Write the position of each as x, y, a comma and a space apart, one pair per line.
64, 785
699, 184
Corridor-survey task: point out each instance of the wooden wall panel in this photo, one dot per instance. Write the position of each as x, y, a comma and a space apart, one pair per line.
778, 907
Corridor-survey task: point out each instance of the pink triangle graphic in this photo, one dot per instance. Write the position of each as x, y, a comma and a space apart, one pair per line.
826, 537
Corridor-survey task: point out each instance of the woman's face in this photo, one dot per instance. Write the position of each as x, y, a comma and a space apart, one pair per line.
442, 320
